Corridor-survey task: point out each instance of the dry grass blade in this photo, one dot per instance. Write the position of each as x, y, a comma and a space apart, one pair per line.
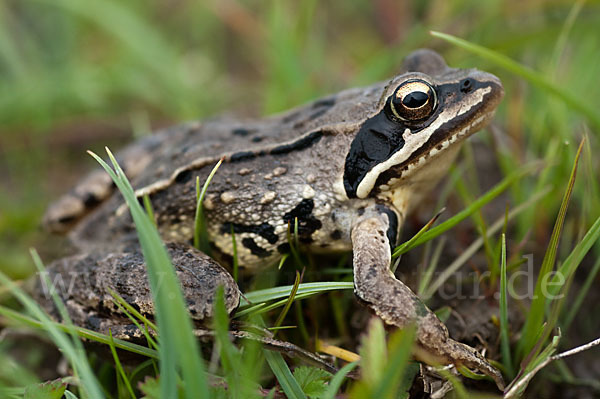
516, 390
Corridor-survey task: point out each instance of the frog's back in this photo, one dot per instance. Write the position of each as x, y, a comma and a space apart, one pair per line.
160, 157
193, 143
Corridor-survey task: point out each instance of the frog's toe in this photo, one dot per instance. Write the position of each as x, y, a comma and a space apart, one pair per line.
459, 354
471, 358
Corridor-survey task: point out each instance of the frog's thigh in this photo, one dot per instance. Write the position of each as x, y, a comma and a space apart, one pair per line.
86, 283
398, 306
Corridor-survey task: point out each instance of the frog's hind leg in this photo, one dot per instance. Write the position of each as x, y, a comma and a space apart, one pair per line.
95, 188
397, 305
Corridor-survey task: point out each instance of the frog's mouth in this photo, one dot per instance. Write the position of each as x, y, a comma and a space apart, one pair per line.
460, 114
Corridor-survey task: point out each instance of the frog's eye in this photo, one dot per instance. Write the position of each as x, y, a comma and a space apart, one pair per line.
413, 100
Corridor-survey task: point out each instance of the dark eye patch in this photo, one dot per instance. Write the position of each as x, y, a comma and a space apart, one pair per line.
378, 138
376, 146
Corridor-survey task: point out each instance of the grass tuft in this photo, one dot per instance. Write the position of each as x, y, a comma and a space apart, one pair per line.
178, 349
535, 317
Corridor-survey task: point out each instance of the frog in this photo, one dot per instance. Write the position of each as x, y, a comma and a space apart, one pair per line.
342, 172
91, 286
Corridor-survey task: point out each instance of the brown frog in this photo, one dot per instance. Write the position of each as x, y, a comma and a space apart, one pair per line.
348, 168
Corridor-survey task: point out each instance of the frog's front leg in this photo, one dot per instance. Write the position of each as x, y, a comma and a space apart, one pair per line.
398, 306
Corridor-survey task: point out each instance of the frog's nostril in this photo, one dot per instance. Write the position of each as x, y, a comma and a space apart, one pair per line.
466, 85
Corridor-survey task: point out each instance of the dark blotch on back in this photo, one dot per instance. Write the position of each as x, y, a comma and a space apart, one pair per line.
184, 176
240, 132
318, 113
300, 144
242, 156
307, 223
324, 102
254, 248
90, 200
284, 248
291, 117
265, 230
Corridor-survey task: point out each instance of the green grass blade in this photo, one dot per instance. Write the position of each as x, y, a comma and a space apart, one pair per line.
401, 248
289, 301
262, 308
535, 316
576, 305
569, 266
178, 348
12, 393
558, 288
127, 308
427, 275
200, 235
337, 380
468, 211
504, 335
135, 317
282, 260
230, 355
480, 224
284, 291
517, 387
119, 367
284, 376
88, 379
75, 356
400, 349
9, 53
373, 353
236, 262
294, 243
129, 28
149, 209
82, 332
70, 395
534, 77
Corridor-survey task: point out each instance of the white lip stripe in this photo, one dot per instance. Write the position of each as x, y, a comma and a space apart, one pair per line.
412, 142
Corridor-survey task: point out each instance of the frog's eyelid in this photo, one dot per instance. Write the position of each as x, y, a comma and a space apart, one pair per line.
384, 95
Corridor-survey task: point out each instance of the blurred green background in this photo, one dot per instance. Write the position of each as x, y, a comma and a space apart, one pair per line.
78, 75
81, 74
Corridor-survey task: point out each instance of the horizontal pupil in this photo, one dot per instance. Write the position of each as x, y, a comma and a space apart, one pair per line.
415, 99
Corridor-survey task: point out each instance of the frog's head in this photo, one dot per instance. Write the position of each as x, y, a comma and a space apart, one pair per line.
424, 115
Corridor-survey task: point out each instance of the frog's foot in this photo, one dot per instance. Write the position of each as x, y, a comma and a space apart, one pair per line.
434, 346
398, 306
